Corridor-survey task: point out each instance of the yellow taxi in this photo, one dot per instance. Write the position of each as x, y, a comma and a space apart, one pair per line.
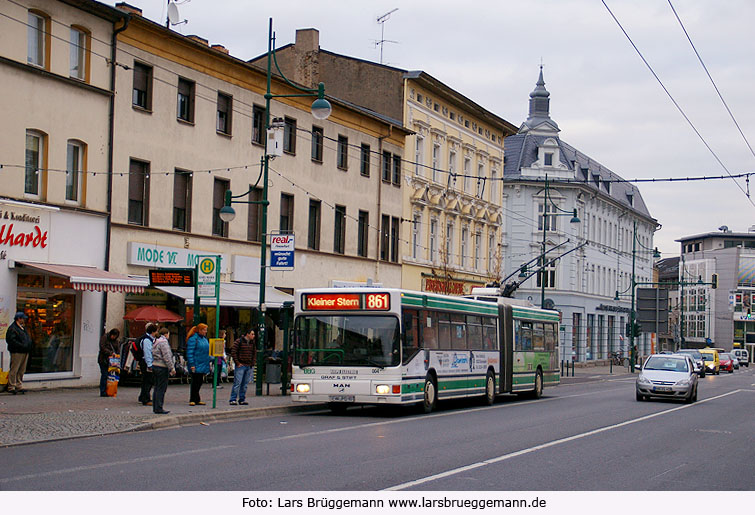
712, 363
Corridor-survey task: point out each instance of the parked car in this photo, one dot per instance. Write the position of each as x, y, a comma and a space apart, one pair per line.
711, 360
667, 375
697, 358
743, 356
725, 362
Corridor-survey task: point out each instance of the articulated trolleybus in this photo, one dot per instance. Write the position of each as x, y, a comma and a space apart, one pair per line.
389, 346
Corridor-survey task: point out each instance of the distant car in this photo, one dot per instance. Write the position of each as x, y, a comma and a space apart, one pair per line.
725, 362
667, 375
743, 356
711, 360
697, 358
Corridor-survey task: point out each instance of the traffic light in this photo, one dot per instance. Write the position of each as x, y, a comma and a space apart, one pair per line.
714, 281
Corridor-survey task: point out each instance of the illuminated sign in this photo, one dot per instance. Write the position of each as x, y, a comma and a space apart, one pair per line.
346, 301
172, 277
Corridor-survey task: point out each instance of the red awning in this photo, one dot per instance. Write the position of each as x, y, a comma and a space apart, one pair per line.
90, 278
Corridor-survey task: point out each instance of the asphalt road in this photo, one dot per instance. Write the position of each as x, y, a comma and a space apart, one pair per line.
589, 436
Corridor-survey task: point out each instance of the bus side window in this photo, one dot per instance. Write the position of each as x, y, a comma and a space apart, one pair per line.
490, 337
474, 333
429, 330
444, 331
458, 332
550, 337
526, 336
411, 333
538, 337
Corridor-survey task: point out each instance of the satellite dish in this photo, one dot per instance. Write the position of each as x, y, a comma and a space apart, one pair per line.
173, 17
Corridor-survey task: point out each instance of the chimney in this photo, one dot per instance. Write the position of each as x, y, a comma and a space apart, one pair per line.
220, 48
199, 40
123, 6
307, 62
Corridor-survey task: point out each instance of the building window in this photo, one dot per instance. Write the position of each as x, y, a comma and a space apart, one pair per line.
254, 215
289, 136
416, 234
547, 274
339, 230
35, 143
258, 125
452, 163
225, 113
436, 161
480, 179
387, 166
494, 186
396, 170
550, 220
79, 59
37, 39
142, 93
363, 234
318, 136
395, 235
182, 182
138, 193
219, 227
286, 224
343, 152
74, 170
491, 252
185, 100
548, 159
448, 257
464, 246
313, 232
364, 167
419, 154
433, 239
385, 237
477, 246
467, 175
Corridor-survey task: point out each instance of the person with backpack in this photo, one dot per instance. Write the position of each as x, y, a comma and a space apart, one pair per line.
242, 352
198, 358
143, 352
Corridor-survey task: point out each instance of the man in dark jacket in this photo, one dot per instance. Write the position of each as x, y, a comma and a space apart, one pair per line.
242, 352
19, 345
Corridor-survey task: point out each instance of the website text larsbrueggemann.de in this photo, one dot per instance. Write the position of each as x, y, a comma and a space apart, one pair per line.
332, 503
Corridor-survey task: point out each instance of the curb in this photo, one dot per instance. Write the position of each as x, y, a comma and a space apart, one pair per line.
185, 419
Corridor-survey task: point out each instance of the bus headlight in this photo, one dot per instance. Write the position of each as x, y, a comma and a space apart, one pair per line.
383, 389
302, 388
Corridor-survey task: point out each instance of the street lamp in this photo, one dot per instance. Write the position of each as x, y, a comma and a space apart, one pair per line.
321, 109
564, 212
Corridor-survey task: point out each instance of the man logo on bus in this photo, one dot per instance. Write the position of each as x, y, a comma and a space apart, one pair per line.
342, 386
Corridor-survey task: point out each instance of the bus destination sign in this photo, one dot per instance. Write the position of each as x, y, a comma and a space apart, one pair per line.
346, 301
171, 277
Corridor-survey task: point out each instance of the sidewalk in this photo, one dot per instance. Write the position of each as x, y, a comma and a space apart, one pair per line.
63, 413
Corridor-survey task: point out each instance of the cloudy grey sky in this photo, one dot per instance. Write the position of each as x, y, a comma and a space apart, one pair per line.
604, 98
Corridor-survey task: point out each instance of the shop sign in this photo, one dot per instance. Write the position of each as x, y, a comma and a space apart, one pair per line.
144, 254
443, 286
282, 252
19, 229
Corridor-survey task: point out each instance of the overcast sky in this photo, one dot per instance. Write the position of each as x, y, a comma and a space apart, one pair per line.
605, 100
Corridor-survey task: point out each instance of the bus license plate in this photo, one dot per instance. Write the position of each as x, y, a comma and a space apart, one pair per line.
341, 398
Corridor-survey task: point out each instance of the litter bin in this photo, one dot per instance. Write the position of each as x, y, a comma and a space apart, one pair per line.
272, 373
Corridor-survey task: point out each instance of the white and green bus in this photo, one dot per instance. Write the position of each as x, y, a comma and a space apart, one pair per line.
389, 346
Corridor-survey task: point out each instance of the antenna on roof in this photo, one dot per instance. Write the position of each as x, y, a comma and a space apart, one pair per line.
173, 17
381, 20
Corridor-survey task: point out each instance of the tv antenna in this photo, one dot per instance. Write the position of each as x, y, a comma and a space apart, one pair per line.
381, 20
174, 18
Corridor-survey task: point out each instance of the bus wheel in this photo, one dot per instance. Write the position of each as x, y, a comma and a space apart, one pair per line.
490, 388
538, 391
431, 394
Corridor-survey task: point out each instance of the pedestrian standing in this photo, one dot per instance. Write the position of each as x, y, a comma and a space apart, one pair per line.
162, 368
144, 353
108, 349
198, 358
19, 345
242, 352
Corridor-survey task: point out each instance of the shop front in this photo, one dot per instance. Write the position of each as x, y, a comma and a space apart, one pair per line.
53, 275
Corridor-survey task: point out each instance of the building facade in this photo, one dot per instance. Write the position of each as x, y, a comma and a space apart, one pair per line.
450, 178
718, 317
589, 260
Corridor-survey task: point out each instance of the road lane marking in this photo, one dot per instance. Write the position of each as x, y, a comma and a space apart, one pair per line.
424, 417
553, 443
112, 463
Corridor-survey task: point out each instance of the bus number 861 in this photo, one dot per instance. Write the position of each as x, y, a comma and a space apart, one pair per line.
378, 301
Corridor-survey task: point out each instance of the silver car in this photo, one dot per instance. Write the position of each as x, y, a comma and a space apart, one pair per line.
667, 375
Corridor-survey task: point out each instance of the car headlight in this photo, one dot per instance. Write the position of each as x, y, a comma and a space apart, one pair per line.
302, 388
644, 380
684, 382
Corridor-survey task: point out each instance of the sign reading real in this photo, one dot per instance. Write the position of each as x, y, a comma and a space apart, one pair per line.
144, 254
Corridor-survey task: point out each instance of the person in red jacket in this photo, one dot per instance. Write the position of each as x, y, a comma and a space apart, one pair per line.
243, 352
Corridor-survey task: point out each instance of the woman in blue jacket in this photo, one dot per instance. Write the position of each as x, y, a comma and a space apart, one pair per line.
198, 358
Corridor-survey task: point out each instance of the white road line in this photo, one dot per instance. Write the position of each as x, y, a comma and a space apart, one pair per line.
504, 457
113, 463
424, 417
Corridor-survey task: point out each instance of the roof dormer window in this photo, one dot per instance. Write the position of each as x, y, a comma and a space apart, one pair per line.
596, 179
